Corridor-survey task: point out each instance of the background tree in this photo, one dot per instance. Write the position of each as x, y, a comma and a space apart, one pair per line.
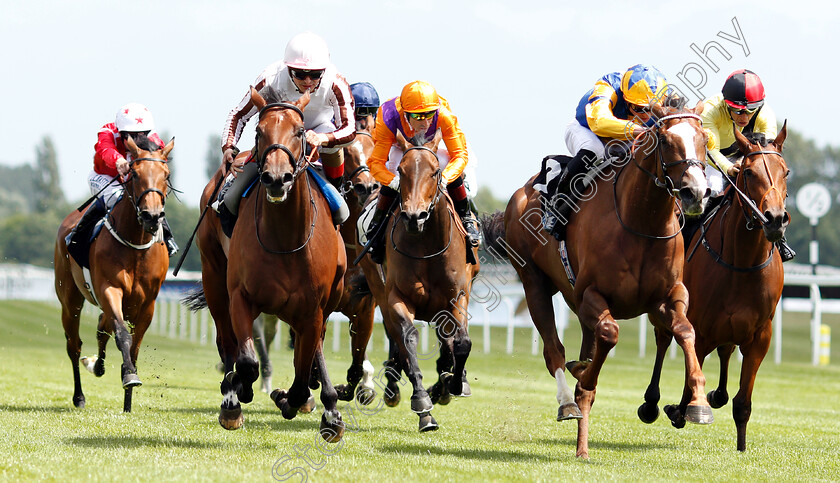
213, 158
47, 192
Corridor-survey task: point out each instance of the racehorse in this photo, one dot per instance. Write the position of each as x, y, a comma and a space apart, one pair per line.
284, 258
625, 253
357, 303
735, 282
128, 264
427, 278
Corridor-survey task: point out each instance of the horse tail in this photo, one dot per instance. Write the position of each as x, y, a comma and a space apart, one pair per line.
195, 300
493, 229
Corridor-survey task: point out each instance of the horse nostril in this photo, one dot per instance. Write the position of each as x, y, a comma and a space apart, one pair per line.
288, 178
359, 189
786, 218
686, 193
266, 179
422, 216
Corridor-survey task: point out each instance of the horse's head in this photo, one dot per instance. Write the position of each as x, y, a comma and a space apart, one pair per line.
280, 143
763, 178
148, 181
356, 170
420, 182
680, 148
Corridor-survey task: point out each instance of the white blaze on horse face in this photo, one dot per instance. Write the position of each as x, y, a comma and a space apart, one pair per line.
360, 151
565, 395
686, 133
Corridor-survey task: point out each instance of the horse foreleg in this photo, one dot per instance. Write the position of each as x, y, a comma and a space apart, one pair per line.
719, 397
439, 391
393, 370
141, 325
113, 317
672, 313
461, 347
538, 297
308, 337
242, 316
361, 328
332, 427
402, 331
648, 412
754, 353
103, 333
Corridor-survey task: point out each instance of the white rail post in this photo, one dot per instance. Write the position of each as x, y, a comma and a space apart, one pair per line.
816, 322
643, 323
486, 331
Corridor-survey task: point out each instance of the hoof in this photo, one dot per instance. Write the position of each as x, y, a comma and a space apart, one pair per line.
675, 415
308, 406
266, 385
332, 432
281, 400
575, 368
569, 411
365, 395
439, 393
648, 413
466, 390
392, 396
231, 419
717, 399
89, 363
422, 404
245, 393
79, 402
699, 414
455, 386
427, 422
131, 380
220, 366
345, 392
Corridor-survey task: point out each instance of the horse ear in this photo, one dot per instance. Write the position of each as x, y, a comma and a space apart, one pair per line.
304, 100
698, 109
433, 144
402, 142
780, 138
168, 148
743, 143
257, 99
658, 110
131, 146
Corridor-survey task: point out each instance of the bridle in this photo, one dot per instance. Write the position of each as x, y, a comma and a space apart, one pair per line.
136, 201
348, 184
665, 182
298, 162
429, 209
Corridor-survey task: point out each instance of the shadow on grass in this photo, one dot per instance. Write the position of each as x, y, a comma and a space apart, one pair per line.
129, 442
471, 453
37, 409
611, 446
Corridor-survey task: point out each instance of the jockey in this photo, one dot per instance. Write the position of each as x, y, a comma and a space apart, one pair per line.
328, 118
367, 103
741, 102
418, 111
616, 108
109, 161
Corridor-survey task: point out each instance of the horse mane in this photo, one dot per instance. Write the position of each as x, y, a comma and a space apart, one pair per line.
143, 142
757, 138
273, 96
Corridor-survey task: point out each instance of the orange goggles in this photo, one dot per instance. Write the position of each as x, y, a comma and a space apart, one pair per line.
422, 116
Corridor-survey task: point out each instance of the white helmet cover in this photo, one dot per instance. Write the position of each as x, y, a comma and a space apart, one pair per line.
134, 117
307, 51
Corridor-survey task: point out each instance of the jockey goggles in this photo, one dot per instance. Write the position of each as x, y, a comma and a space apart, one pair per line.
422, 116
366, 111
302, 74
639, 109
742, 110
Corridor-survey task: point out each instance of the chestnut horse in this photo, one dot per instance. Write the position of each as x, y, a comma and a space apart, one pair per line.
626, 252
357, 302
735, 283
284, 258
128, 264
427, 278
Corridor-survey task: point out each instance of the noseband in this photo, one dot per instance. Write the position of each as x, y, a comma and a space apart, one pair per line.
667, 183
752, 211
438, 175
299, 162
136, 202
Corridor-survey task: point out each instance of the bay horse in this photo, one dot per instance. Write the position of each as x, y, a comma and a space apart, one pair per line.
427, 278
284, 258
735, 281
357, 302
128, 264
626, 253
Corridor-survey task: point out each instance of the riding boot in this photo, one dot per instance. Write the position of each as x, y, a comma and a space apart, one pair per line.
231, 194
168, 238
564, 196
462, 207
86, 223
375, 231
785, 250
334, 168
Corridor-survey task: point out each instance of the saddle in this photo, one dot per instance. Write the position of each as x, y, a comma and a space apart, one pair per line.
80, 251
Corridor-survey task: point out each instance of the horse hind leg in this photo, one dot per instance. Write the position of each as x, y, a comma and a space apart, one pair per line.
70, 320
392, 369
332, 427
754, 354
262, 344
648, 412
719, 396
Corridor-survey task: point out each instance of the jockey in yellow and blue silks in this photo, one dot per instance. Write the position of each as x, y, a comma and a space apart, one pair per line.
418, 111
616, 108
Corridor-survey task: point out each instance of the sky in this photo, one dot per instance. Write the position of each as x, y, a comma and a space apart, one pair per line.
513, 71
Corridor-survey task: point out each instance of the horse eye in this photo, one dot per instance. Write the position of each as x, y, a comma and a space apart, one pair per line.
787, 174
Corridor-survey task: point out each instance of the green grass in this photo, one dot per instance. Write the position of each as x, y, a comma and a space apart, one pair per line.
506, 431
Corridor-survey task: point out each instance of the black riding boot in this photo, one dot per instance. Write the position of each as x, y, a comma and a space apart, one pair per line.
462, 207
375, 231
785, 250
86, 223
564, 196
168, 238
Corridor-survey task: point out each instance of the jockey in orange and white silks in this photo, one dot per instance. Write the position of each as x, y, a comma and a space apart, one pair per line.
419, 112
328, 118
111, 160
